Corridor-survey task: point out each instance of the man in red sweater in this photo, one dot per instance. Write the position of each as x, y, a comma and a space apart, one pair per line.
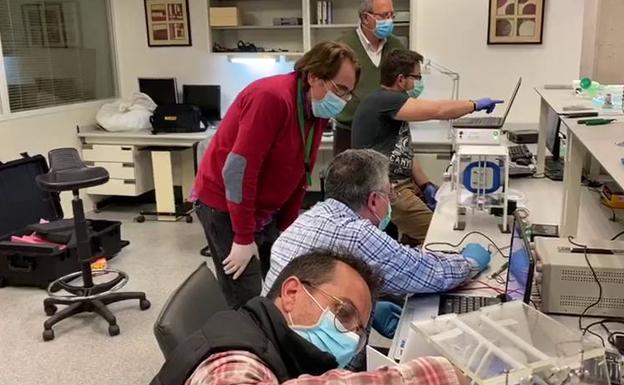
254, 174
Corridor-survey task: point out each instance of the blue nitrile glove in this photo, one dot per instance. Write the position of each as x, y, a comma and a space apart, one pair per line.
429, 191
477, 253
486, 104
386, 318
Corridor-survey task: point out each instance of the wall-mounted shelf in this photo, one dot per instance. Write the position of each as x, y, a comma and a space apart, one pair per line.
257, 19
259, 27
323, 26
260, 54
351, 25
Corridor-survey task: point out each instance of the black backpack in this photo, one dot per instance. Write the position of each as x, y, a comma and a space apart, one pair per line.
171, 118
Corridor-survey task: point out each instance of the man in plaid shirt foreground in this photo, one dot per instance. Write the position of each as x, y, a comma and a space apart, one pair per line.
308, 327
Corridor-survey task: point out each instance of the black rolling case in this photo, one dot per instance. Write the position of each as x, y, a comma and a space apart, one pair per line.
22, 205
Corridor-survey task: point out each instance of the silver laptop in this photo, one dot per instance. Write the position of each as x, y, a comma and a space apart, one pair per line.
488, 121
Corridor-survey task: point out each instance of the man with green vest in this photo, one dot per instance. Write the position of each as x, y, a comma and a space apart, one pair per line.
371, 41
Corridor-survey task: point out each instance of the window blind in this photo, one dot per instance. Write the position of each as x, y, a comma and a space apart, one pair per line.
56, 52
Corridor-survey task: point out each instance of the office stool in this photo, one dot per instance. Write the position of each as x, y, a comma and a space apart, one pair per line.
69, 173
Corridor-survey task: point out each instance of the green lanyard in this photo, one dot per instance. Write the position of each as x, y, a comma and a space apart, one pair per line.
307, 144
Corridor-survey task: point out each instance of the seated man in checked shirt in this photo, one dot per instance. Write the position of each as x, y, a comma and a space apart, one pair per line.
352, 218
308, 327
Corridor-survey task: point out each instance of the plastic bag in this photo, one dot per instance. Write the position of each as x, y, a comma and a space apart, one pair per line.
127, 115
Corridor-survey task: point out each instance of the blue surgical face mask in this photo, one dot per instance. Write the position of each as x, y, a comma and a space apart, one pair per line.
383, 222
328, 107
383, 28
327, 338
415, 92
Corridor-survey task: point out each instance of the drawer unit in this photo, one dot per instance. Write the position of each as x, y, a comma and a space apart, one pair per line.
109, 153
115, 187
117, 170
130, 169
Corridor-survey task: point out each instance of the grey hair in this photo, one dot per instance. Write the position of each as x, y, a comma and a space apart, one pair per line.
366, 6
354, 174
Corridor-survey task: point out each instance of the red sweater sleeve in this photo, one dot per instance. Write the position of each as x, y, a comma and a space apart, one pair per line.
261, 118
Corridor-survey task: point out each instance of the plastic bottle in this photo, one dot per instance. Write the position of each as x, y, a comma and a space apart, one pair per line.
590, 87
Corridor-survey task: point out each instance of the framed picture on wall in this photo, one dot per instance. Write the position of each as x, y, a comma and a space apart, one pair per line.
51, 25
516, 21
167, 23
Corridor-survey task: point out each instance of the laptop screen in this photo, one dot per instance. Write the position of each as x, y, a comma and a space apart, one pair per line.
513, 97
520, 270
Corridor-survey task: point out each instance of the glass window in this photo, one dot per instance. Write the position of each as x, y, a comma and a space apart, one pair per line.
56, 52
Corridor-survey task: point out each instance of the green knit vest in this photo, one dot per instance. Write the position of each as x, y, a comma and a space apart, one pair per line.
369, 77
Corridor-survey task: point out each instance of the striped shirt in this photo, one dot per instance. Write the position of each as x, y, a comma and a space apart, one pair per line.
333, 225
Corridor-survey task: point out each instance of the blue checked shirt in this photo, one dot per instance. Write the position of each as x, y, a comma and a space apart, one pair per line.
333, 225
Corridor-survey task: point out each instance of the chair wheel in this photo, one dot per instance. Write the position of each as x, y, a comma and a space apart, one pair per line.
140, 218
50, 310
189, 219
113, 330
144, 304
48, 335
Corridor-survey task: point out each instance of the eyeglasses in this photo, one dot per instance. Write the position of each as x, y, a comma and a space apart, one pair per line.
392, 195
347, 316
385, 15
415, 76
341, 91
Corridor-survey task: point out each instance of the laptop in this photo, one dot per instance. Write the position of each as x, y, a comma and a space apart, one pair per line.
518, 287
488, 121
519, 278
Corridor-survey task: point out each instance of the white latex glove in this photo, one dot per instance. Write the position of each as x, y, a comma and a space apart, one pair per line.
238, 259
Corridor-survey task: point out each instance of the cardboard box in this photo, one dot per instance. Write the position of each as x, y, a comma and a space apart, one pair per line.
224, 17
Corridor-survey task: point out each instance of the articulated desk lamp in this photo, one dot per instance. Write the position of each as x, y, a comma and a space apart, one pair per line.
453, 75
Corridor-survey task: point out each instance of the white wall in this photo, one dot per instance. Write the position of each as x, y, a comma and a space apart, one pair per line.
190, 65
41, 133
454, 33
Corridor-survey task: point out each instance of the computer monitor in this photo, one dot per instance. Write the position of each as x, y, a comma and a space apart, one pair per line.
521, 265
553, 142
206, 97
161, 90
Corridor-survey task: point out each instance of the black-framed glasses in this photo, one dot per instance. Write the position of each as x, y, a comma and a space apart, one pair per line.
347, 316
341, 91
385, 15
414, 76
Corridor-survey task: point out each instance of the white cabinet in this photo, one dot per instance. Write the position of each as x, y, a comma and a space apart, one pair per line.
129, 168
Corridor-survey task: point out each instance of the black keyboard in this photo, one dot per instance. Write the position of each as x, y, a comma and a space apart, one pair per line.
463, 304
520, 151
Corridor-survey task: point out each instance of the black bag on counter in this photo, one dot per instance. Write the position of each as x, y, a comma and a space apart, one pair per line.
22, 205
172, 118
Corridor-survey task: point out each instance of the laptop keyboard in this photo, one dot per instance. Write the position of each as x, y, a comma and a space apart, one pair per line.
462, 304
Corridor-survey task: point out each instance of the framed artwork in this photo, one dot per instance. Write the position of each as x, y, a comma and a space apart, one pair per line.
51, 25
516, 21
167, 23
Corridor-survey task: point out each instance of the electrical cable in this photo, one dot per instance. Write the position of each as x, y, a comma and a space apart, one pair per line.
610, 335
580, 320
616, 236
461, 241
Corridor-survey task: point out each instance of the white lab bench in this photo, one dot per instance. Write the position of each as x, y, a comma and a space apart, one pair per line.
541, 198
601, 143
139, 161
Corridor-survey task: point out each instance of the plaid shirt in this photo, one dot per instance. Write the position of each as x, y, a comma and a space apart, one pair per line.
240, 367
331, 224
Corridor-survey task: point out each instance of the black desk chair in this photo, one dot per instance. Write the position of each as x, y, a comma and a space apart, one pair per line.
69, 173
188, 308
